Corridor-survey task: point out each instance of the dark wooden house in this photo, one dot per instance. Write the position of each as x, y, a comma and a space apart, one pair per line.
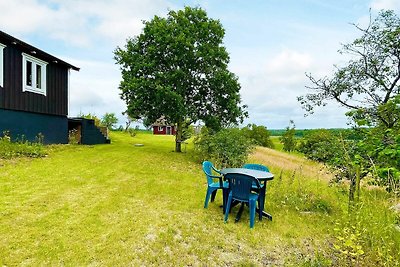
34, 89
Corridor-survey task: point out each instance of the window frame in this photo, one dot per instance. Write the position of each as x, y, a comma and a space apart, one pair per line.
161, 128
2, 64
35, 63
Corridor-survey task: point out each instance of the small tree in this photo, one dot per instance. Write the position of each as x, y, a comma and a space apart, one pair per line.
178, 68
109, 120
288, 139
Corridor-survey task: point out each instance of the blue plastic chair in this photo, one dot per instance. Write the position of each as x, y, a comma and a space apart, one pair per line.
240, 189
258, 167
213, 185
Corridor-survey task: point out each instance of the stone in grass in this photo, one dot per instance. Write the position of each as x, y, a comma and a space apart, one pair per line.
138, 145
396, 208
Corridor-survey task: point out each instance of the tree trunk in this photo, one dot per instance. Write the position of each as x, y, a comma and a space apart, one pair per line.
352, 189
358, 180
355, 184
178, 138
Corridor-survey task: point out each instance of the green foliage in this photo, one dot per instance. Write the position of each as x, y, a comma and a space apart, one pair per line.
226, 148
348, 244
360, 239
374, 151
379, 152
109, 120
178, 68
132, 132
259, 134
90, 116
320, 145
73, 137
187, 130
21, 148
288, 138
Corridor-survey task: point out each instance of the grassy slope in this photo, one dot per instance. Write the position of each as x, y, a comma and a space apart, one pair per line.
119, 204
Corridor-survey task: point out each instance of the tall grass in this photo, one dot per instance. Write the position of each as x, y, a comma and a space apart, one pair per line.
122, 204
365, 235
20, 148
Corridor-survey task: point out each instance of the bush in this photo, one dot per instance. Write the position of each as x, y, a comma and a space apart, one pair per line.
288, 138
73, 137
20, 148
226, 148
132, 132
320, 145
259, 134
379, 151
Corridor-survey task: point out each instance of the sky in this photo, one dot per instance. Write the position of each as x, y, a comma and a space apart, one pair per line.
272, 45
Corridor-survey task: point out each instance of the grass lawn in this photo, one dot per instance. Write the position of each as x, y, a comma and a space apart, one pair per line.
121, 204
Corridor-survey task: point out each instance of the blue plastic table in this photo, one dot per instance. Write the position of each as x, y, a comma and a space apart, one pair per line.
260, 175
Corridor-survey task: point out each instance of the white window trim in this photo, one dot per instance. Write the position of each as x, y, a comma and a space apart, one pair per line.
35, 61
1, 65
160, 128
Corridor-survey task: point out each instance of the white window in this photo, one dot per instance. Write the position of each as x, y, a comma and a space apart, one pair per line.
33, 74
160, 128
1, 65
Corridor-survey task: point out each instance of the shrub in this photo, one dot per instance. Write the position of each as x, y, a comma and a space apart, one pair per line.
73, 137
288, 138
320, 145
20, 148
259, 134
90, 116
226, 148
132, 132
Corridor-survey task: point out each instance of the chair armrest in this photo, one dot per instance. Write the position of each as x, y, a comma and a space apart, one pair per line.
221, 183
257, 183
216, 170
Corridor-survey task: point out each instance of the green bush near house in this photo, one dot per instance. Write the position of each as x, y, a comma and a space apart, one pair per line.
20, 148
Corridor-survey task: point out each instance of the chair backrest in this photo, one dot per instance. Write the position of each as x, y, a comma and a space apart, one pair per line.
254, 166
240, 185
207, 169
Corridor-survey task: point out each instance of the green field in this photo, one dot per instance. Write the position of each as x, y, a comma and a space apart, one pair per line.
122, 204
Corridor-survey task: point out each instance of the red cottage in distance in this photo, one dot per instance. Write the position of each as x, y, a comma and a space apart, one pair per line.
161, 126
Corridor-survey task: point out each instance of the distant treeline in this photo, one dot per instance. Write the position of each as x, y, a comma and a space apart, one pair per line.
303, 132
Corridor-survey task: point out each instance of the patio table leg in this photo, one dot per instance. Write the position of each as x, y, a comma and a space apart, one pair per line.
239, 214
264, 214
225, 192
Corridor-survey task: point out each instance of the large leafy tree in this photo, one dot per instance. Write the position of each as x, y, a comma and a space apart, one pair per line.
178, 68
370, 79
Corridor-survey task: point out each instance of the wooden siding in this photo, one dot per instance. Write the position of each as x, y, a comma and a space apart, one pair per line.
164, 130
12, 97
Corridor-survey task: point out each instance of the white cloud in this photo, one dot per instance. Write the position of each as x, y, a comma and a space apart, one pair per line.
23, 15
289, 60
271, 85
94, 89
385, 4
80, 22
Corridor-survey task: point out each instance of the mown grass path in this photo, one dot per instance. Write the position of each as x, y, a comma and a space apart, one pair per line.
120, 204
